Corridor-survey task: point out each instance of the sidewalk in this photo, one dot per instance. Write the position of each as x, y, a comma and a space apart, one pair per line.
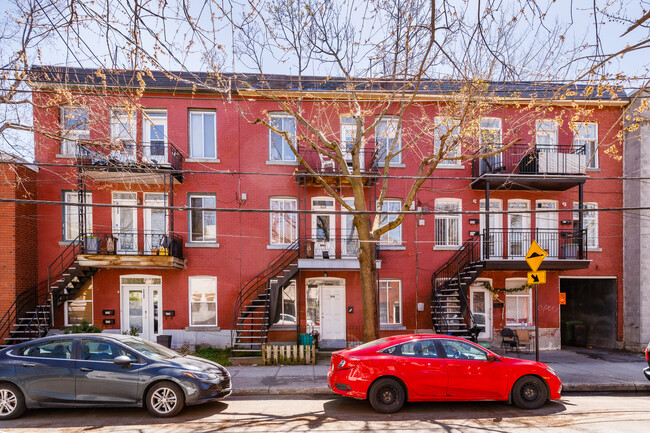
580, 369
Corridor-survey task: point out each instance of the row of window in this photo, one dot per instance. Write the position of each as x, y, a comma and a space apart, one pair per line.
284, 219
75, 125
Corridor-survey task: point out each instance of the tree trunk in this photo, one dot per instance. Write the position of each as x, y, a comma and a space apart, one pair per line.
368, 269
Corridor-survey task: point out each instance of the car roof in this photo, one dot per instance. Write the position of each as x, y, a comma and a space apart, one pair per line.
102, 335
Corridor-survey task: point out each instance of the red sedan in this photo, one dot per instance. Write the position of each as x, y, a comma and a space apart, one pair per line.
392, 370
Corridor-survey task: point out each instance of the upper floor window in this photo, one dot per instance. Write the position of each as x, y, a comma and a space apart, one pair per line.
123, 134
388, 138
203, 137
585, 136
203, 218
546, 134
279, 148
75, 127
71, 214
448, 223
394, 236
284, 225
446, 135
490, 134
154, 132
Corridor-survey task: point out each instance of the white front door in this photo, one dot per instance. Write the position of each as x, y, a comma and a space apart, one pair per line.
332, 312
518, 229
546, 224
323, 228
494, 239
141, 306
125, 221
155, 220
481, 306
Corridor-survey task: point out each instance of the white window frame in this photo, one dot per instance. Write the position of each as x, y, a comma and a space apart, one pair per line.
580, 138
154, 117
392, 237
203, 145
448, 218
280, 119
347, 224
386, 282
73, 212
589, 216
516, 297
190, 301
70, 143
443, 125
385, 124
124, 132
78, 301
294, 216
546, 129
191, 233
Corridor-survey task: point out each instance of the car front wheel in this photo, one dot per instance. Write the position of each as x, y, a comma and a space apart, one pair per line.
529, 392
387, 395
165, 399
12, 402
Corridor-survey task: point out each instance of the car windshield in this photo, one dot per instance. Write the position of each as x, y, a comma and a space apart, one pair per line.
370, 344
151, 350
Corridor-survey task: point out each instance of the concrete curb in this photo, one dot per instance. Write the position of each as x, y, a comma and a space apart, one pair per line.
606, 387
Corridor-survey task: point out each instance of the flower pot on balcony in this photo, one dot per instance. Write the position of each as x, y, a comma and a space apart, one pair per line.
92, 244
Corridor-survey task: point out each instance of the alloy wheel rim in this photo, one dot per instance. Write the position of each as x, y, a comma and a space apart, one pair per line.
164, 400
387, 395
529, 392
8, 402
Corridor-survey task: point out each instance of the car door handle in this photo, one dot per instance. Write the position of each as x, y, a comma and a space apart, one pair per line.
29, 365
86, 369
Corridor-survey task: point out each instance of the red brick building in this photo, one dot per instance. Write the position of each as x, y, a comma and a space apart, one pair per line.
18, 237
145, 255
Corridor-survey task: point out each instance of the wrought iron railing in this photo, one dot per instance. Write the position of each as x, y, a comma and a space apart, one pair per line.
532, 159
260, 282
140, 242
368, 162
511, 243
130, 155
469, 253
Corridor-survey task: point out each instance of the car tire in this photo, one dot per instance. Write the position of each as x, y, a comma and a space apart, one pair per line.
387, 395
12, 401
165, 400
529, 392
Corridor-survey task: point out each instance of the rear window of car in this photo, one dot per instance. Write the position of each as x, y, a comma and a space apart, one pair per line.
56, 349
370, 344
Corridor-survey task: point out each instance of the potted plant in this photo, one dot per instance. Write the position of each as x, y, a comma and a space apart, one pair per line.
92, 244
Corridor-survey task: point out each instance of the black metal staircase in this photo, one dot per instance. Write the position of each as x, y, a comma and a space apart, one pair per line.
32, 313
450, 310
254, 305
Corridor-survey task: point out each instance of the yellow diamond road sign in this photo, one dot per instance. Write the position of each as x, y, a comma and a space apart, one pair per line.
535, 256
538, 277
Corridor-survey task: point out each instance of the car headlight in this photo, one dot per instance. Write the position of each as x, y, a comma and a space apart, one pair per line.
550, 370
201, 376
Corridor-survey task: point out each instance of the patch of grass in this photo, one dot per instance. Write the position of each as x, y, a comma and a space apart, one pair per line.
220, 356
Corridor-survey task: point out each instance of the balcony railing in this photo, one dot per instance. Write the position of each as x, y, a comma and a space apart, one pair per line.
147, 243
514, 243
368, 160
533, 159
330, 248
130, 155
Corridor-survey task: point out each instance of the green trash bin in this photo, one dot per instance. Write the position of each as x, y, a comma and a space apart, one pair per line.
306, 340
571, 332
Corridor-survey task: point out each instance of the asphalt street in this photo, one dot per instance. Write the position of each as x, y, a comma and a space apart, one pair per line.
612, 413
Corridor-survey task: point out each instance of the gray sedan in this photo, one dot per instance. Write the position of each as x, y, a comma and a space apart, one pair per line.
105, 370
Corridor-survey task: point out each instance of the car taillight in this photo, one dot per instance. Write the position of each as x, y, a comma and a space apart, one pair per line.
647, 354
345, 364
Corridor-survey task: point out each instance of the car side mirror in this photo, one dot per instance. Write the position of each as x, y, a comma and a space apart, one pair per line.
122, 360
491, 358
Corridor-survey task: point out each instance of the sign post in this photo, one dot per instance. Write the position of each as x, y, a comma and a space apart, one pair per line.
534, 257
